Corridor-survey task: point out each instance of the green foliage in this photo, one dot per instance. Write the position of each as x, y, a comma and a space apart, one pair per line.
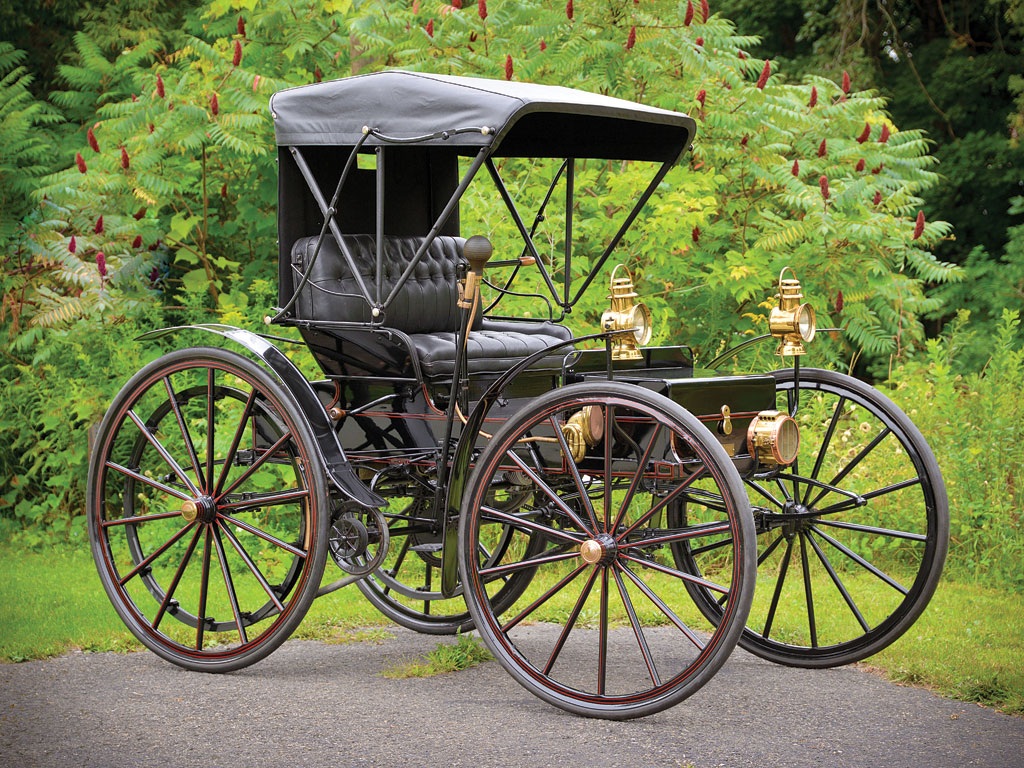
974, 423
952, 67
25, 148
706, 252
54, 385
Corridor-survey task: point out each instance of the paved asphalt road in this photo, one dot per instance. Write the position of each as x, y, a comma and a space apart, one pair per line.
314, 704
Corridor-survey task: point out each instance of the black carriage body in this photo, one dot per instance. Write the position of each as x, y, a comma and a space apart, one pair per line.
498, 453
399, 225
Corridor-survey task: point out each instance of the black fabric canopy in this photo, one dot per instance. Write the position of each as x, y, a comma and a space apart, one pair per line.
521, 119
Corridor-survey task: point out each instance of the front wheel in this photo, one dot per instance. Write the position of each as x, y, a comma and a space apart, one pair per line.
207, 510
606, 627
852, 538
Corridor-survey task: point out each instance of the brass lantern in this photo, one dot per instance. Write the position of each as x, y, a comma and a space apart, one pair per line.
630, 321
791, 322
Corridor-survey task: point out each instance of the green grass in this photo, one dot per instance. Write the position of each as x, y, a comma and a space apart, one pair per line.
53, 602
466, 652
967, 645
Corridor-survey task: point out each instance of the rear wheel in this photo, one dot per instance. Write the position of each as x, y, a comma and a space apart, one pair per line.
852, 538
207, 510
406, 588
606, 628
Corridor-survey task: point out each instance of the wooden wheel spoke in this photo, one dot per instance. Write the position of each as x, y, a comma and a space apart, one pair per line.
149, 481
136, 519
691, 532
847, 598
229, 585
825, 444
264, 457
209, 430
533, 562
262, 534
602, 640
609, 442
872, 529
571, 621
547, 491
636, 479
678, 574
661, 606
768, 550
842, 506
266, 500
853, 463
861, 561
574, 470
235, 440
662, 503
163, 548
203, 587
177, 578
765, 493
401, 556
778, 588
785, 491
185, 435
251, 565
709, 547
808, 594
638, 631
497, 516
168, 459
543, 598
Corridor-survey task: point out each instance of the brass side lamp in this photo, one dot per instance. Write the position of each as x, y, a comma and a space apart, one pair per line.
584, 430
630, 321
792, 322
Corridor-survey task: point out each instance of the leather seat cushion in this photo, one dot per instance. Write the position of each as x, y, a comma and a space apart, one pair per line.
426, 302
493, 349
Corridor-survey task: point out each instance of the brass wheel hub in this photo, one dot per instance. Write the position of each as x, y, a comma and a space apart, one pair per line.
202, 509
599, 549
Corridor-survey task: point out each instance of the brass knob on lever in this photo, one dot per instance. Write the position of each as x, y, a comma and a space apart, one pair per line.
477, 250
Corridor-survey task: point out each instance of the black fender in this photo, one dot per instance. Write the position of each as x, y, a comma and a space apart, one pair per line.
307, 404
458, 476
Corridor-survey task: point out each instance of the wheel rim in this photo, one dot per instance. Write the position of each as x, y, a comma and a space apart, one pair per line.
840, 579
605, 575
193, 521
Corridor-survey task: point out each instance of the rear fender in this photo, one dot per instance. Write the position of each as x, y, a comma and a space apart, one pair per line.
307, 404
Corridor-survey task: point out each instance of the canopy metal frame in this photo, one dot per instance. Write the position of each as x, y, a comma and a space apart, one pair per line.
374, 296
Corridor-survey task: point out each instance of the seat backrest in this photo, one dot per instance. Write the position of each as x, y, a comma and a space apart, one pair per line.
426, 302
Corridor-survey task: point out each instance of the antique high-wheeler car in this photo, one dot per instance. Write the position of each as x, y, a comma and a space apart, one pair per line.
599, 510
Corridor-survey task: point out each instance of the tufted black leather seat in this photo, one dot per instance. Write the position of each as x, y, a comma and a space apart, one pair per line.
425, 308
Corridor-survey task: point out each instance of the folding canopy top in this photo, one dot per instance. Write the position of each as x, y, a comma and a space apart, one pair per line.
512, 118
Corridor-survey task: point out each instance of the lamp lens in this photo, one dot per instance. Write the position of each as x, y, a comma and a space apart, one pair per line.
805, 322
640, 318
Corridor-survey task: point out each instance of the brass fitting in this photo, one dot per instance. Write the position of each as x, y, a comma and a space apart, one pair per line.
774, 438
630, 321
792, 322
583, 430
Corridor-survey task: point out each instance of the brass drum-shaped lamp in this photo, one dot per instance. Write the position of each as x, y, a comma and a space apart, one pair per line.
791, 322
630, 321
584, 430
773, 437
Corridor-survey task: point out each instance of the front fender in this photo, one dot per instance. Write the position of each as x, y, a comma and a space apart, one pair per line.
310, 409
